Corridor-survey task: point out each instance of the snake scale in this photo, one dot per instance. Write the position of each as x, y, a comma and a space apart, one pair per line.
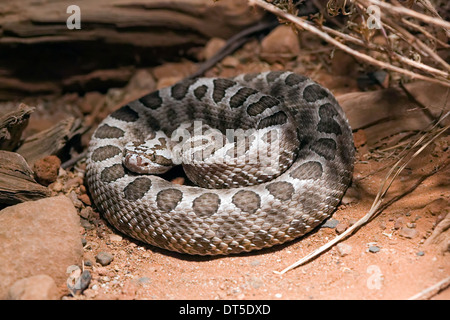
238, 205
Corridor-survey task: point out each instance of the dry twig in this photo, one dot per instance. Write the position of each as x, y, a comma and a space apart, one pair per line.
390, 28
406, 157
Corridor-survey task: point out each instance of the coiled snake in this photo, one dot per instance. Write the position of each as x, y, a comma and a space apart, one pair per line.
224, 131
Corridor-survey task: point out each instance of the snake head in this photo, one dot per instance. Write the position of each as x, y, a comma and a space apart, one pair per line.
144, 160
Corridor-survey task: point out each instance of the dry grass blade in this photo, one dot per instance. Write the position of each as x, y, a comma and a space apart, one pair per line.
432, 290
405, 11
407, 155
438, 76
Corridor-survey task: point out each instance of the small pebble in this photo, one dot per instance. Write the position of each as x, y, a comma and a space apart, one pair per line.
343, 249
104, 258
86, 224
85, 199
420, 253
115, 237
330, 223
341, 227
74, 198
408, 232
398, 223
78, 281
86, 213
278, 295
374, 249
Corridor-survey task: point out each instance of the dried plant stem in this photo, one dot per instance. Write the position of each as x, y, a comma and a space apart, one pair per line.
309, 27
411, 40
371, 46
432, 290
393, 173
405, 11
415, 42
425, 32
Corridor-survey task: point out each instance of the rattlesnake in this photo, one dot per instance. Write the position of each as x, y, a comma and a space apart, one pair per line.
253, 206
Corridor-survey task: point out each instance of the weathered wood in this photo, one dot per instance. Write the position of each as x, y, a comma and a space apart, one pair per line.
16, 180
12, 125
113, 34
50, 141
391, 111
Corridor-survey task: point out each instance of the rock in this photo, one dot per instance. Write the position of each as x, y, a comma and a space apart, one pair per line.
359, 138
38, 287
141, 81
280, 45
104, 258
408, 232
374, 249
174, 69
74, 198
398, 223
230, 62
78, 281
343, 249
115, 238
330, 223
90, 102
341, 227
46, 170
87, 213
211, 48
38, 237
85, 199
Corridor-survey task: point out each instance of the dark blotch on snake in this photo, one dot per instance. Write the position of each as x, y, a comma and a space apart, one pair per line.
168, 199
325, 148
206, 205
112, 173
293, 79
281, 190
327, 124
241, 96
125, 114
107, 132
152, 100
220, 86
314, 92
308, 170
278, 118
180, 89
266, 102
247, 201
137, 189
271, 76
106, 152
200, 92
